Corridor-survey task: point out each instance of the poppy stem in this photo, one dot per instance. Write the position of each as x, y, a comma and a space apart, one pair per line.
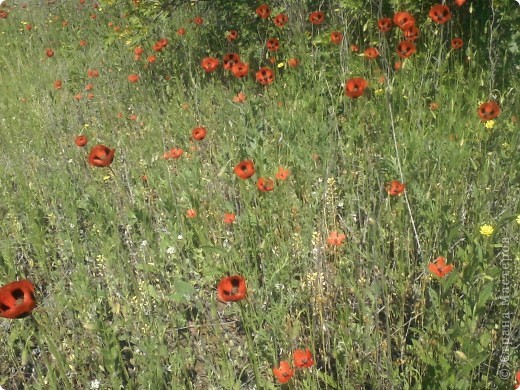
250, 344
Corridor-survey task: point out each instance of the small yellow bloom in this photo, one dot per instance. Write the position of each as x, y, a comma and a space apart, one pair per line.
379, 92
518, 219
490, 124
487, 230
281, 65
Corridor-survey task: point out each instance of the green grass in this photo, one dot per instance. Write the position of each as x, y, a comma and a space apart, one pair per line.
126, 283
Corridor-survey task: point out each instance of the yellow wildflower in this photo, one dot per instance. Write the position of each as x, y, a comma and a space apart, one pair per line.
487, 230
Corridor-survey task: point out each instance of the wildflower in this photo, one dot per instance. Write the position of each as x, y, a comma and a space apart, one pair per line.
489, 110
49, 52
280, 20
138, 52
456, 43
89, 87
460, 3
282, 173
17, 299
336, 239
405, 49
293, 62
283, 372
490, 124
173, 153
317, 17
403, 20
384, 24
91, 73
412, 33
191, 213
181, 31
57, 84
263, 11
101, 156
199, 21
265, 76
81, 140
355, 87
518, 219
209, 64
240, 97
160, 44
151, 59
240, 69
229, 60
371, 53
245, 169
229, 218
303, 359
232, 289
133, 78
232, 35
272, 44
440, 13
395, 188
265, 185
439, 267
83, 43
486, 230
198, 133
354, 48
336, 37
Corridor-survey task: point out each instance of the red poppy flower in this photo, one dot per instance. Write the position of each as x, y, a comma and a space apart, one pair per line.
239, 97
232, 35
263, 11
282, 173
160, 44
81, 140
489, 110
173, 153
354, 48
405, 49
229, 218
232, 289
336, 239
403, 20
397, 65
280, 20
303, 359
293, 62
265, 76
439, 267
92, 73
395, 188
456, 43
49, 52
151, 59
28, 27
229, 60
245, 169
371, 53
460, 3
355, 87
101, 156
198, 21
240, 69
17, 299
89, 87
209, 64
384, 24
138, 51
272, 44
317, 17
181, 31
3, 14
191, 213
265, 185
133, 78
336, 37
412, 33
440, 13
283, 372
57, 84
83, 43
198, 133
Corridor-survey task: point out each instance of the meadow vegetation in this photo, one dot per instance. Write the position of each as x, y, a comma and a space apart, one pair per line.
361, 191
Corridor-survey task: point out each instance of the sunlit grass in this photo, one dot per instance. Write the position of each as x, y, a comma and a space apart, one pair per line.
126, 259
